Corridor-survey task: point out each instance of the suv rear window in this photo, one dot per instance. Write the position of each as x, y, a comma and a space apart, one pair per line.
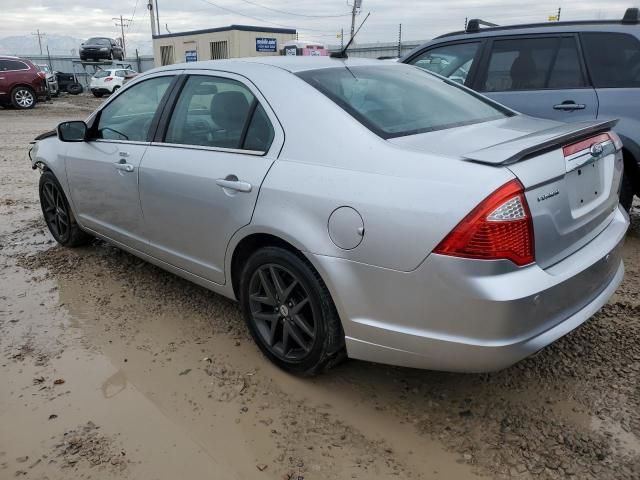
8, 65
613, 59
102, 74
394, 101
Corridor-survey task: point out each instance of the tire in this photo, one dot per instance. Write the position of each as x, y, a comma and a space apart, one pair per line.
307, 337
57, 213
23, 98
115, 89
97, 94
626, 192
74, 89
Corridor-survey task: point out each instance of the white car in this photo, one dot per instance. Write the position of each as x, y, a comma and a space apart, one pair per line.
108, 81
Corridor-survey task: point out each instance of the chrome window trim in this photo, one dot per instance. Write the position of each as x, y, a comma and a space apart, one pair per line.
125, 142
255, 153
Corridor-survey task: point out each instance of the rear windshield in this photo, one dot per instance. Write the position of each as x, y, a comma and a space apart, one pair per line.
102, 74
98, 41
395, 101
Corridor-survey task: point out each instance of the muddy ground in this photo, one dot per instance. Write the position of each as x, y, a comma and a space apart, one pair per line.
112, 368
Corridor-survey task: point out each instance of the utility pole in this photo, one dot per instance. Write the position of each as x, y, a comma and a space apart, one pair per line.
39, 35
400, 41
341, 38
158, 17
559, 10
466, 21
124, 22
151, 8
356, 6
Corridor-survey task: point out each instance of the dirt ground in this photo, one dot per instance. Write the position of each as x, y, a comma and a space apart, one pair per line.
111, 368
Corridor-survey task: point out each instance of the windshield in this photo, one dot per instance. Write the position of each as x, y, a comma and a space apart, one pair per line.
98, 41
394, 102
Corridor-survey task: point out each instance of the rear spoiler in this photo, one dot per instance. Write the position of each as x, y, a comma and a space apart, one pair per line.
521, 148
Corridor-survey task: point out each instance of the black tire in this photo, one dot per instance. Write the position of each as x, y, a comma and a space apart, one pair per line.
23, 98
58, 215
626, 192
115, 89
74, 89
312, 317
98, 94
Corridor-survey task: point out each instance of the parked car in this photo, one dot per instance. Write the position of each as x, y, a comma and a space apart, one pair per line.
567, 71
21, 83
407, 220
52, 80
101, 48
109, 80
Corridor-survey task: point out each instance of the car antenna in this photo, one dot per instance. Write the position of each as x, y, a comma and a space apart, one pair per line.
343, 53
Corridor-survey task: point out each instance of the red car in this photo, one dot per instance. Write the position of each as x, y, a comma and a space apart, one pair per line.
21, 83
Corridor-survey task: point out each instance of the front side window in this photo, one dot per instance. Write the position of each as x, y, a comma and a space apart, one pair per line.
219, 112
130, 114
613, 59
533, 64
102, 74
397, 100
451, 61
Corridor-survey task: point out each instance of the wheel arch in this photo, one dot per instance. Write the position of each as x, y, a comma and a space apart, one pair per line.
631, 158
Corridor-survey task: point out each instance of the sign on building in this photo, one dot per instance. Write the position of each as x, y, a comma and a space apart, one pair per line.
191, 56
266, 45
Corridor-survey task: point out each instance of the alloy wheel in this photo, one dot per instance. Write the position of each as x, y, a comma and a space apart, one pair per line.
282, 312
24, 98
55, 210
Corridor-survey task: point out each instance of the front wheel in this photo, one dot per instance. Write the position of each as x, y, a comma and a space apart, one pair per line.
289, 312
97, 94
57, 214
23, 98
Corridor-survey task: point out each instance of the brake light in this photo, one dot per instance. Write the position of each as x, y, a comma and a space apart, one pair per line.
108, 79
586, 144
499, 228
42, 75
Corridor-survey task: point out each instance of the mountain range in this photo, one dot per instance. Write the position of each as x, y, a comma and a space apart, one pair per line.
59, 45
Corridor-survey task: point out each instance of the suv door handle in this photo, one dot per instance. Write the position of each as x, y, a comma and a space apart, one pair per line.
569, 106
232, 183
124, 167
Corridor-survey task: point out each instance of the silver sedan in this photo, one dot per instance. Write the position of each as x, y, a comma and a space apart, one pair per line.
354, 208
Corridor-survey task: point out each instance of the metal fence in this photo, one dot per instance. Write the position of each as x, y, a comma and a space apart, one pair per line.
68, 64
375, 50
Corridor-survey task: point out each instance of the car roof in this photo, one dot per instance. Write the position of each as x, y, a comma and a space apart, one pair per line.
291, 64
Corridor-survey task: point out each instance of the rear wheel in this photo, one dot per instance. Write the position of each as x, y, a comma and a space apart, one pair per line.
23, 98
97, 94
290, 313
626, 192
59, 217
74, 89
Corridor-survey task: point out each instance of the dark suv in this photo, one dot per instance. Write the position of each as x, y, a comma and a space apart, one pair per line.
21, 83
566, 71
101, 48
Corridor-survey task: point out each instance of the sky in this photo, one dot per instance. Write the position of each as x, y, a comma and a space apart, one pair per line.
318, 20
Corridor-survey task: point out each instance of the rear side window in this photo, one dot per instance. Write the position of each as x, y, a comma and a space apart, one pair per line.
533, 64
219, 112
397, 100
451, 61
613, 59
102, 74
8, 65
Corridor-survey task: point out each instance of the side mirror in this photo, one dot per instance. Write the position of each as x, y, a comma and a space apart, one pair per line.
75, 131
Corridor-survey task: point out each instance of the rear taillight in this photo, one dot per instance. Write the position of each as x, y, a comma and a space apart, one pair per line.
108, 79
42, 75
585, 145
499, 228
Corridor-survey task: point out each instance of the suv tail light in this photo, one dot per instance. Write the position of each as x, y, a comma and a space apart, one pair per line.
42, 75
108, 79
499, 228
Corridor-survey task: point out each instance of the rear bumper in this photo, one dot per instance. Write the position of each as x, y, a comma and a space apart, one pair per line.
471, 316
101, 89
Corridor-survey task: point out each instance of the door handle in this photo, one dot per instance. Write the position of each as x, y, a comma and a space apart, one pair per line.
569, 106
232, 183
124, 167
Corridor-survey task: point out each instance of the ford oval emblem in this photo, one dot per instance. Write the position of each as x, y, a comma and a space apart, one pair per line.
596, 149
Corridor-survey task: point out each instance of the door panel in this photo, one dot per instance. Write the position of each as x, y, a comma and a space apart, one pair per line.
199, 182
104, 191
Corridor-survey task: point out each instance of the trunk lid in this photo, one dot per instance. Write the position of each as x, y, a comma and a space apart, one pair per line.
572, 192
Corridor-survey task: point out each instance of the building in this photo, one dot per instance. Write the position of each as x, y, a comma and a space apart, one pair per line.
217, 43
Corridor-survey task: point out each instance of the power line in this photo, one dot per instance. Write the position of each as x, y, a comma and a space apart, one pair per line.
133, 15
261, 19
295, 14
